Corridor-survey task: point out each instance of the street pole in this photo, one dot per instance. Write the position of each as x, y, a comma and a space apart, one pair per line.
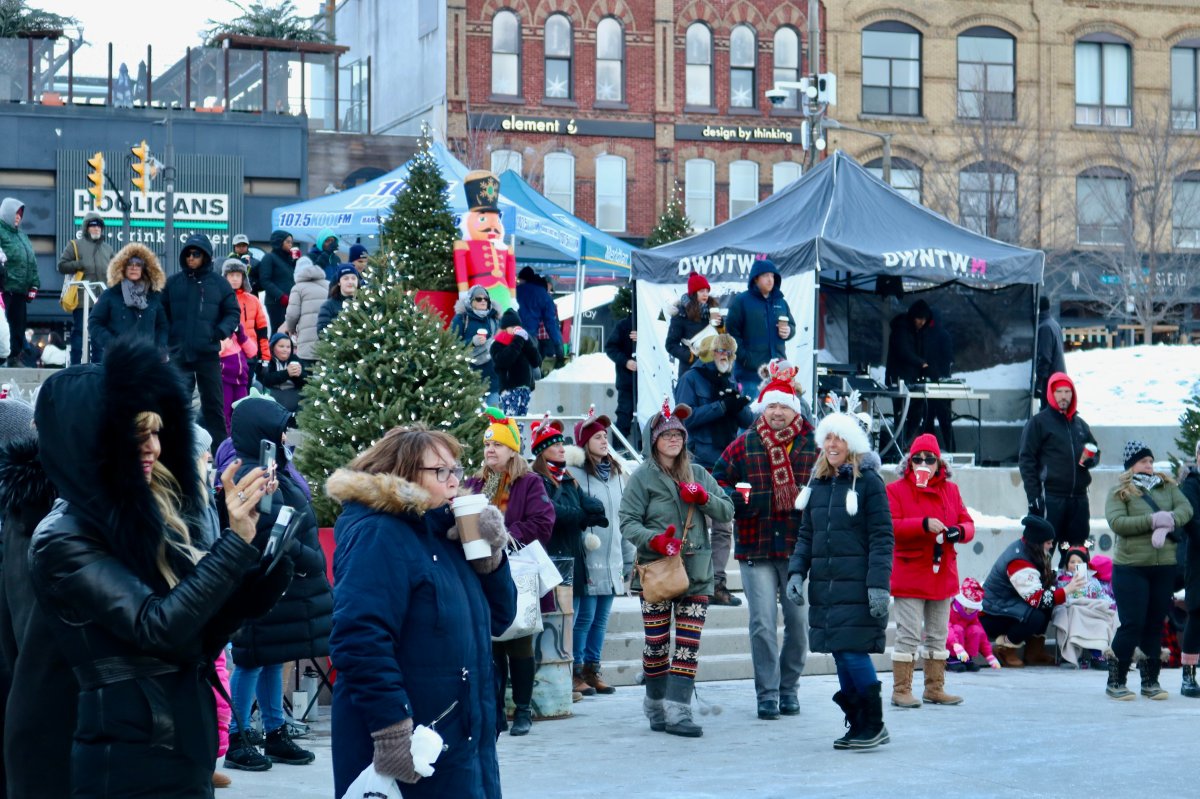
169, 216
814, 67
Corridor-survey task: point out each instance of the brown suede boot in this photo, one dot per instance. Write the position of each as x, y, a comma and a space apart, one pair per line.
902, 677
1036, 654
579, 684
935, 681
1006, 653
591, 674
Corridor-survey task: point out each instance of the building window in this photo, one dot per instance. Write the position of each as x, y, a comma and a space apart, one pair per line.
783, 173
558, 57
743, 55
610, 193
506, 159
987, 200
906, 177
1103, 81
1185, 80
506, 54
1102, 211
743, 187
610, 61
699, 193
699, 66
558, 180
787, 63
1185, 212
986, 74
891, 68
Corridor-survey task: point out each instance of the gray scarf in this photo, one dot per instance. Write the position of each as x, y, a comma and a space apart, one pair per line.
1146, 482
134, 293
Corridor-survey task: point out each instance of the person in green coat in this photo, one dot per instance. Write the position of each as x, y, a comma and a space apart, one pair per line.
18, 273
1147, 511
663, 495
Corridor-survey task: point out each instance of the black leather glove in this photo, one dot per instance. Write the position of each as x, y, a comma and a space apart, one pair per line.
953, 534
560, 362
734, 401
1037, 507
596, 520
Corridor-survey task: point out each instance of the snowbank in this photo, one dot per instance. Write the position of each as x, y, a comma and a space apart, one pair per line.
592, 368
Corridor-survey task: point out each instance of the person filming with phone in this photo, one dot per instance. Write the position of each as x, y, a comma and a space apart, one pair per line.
298, 626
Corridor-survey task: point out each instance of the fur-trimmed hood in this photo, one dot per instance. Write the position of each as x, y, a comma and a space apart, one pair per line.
152, 271
23, 481
575, 457
463, 306
388, 493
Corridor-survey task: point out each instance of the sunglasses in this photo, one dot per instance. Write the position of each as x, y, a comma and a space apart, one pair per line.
135, 262
442, 473
928, 460
479, 299
193, 254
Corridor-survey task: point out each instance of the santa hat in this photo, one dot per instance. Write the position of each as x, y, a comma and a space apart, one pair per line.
847, 428
546, 434
668, 419
777, 391
590, 426
502, 430
696, 282
970, 596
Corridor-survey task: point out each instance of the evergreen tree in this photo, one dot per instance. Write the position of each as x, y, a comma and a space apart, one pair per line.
1189, 430
672, 225
419, 233
622, 304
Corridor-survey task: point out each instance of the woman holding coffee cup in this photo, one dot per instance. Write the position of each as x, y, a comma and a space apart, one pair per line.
928, 519
689, 316
413, 622
506, 480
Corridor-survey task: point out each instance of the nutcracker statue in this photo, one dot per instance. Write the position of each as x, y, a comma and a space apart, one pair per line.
483, 259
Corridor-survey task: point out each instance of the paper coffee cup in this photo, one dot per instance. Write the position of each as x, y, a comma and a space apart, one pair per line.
744, 490
783, 320
466, 518
1089, 451
425, 747
922, 474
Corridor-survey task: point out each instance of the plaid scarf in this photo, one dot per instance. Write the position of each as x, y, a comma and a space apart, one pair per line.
776, 443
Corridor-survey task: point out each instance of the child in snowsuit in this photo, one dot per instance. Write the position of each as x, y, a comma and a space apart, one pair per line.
967, 638
237, 352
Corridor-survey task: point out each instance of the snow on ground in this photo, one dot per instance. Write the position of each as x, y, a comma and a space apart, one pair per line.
594, 367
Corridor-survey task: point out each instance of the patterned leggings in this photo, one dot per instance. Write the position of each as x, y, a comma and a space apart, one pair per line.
515, 402
689, 612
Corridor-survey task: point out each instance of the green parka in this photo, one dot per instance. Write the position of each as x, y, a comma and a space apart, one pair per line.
22, 270
1130, 519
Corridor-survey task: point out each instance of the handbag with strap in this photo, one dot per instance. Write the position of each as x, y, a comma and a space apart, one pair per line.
526, 570
665, 578
68, 300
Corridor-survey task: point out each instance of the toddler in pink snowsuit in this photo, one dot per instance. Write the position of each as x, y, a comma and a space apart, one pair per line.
967, 638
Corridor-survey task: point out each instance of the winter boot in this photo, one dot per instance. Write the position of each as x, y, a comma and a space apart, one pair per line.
522, 721
522, 670
1006, 653
579, 683
1036, 654
935, 681
852, 707
652, 705
1118, 671
721, 595
902, 677
591, 673
1148, 669
872, 733
1189, 688
221, 780
677, 706
281, 749
244, 756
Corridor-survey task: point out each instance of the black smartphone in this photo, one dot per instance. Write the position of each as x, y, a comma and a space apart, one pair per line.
266, 459
282, 533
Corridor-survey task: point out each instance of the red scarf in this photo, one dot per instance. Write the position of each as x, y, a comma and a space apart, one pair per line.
776, 442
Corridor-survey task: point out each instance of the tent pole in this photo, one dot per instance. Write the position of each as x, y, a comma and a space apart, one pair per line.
578, 314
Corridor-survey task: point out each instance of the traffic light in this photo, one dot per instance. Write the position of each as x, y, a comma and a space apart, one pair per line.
142, 168
96, 178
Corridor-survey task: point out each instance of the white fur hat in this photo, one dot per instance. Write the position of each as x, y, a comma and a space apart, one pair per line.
845, 427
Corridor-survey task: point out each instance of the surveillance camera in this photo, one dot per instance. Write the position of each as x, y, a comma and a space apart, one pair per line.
777, 96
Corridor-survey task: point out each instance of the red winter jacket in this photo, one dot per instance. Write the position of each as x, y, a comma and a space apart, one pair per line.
912, 557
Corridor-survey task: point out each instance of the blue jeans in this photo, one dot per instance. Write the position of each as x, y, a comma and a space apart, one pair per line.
591, 623
267, 683
855, 671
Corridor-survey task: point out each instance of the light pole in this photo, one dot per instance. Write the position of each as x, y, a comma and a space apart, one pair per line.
885, 137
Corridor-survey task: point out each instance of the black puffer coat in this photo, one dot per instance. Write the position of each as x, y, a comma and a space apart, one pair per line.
299, 624
112, 318
1190, 486
201, 308
277, 269
572, 509
841, 556
682, 329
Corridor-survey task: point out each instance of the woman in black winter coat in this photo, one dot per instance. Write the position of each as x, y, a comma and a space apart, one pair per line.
1189, 645
476, 322
844, 551
276, 275
138, 611
690, 316
132, 305
515, 355
299, 624
283, 375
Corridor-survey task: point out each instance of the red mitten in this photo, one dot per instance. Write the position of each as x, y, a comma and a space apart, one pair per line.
504, 337
666, 543
283, 300
693, 493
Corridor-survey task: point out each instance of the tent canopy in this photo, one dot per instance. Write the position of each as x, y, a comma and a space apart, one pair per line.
841, 217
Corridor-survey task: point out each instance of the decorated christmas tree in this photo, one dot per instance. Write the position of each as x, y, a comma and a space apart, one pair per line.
672, 225
1189, 430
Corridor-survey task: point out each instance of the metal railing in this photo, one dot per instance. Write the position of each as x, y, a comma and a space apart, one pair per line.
623, 448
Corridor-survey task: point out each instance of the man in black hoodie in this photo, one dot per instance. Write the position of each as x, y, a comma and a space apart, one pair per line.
908, 361
201, 310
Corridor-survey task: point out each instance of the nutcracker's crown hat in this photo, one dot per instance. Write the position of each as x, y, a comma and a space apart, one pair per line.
483, 190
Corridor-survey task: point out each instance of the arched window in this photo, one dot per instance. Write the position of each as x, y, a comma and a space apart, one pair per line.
987, 200
610, 193
698, 79
743, 187
699, 193
506, 54
787, 62
891, 69
784, 173
1102, 209
987, 74
506, 159
1103, 81
1185, 85
559, 83
906, 177
558, 180
610, 61
743, 55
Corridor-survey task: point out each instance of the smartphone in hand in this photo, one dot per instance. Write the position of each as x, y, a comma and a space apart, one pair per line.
266, 459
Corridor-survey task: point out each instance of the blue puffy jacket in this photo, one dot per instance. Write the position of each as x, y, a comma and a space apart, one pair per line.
753, 318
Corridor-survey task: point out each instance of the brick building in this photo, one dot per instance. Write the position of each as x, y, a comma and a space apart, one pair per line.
606, 105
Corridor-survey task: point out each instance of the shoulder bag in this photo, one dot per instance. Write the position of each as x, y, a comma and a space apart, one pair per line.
68, 300
665, 578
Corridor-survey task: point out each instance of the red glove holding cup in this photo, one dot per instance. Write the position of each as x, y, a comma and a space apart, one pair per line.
666, 543
693, 493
